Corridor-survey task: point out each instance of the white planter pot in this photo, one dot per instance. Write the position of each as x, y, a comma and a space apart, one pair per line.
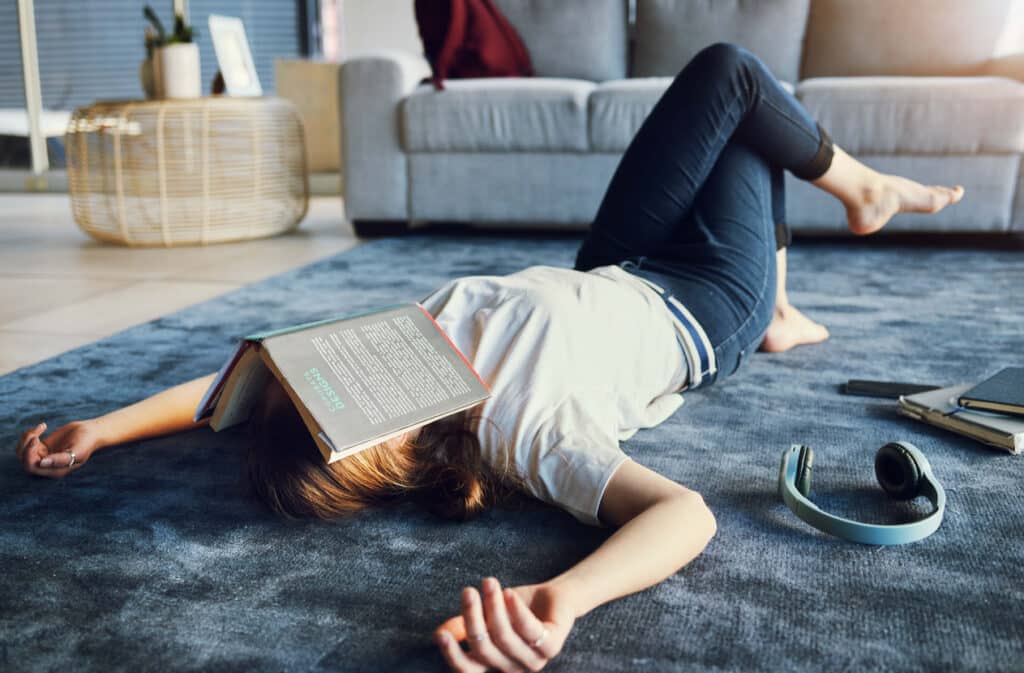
176, 67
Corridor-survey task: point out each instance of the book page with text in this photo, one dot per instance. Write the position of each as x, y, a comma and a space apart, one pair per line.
375, 374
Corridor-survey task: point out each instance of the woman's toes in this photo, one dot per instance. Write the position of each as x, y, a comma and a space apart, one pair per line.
898, 195
918, 198
944, 196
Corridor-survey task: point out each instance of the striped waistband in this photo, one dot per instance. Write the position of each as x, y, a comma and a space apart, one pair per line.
700, 355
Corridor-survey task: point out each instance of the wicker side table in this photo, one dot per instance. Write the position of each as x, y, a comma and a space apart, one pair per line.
187, 172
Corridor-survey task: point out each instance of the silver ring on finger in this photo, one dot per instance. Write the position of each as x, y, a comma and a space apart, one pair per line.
543, 637
73, 457
479, 636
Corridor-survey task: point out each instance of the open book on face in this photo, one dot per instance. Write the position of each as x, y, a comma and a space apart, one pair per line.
357, 380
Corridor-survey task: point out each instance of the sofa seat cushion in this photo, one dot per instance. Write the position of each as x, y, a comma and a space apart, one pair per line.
618, 108
497, 115
919, 115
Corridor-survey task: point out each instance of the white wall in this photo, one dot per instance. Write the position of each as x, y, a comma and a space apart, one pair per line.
370, 25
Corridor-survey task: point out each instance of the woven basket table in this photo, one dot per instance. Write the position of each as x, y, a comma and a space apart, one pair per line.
186, 172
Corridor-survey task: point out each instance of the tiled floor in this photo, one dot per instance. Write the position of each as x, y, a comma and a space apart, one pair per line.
59, 289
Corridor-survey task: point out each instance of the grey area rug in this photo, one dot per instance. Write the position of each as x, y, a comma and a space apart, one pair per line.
151, 558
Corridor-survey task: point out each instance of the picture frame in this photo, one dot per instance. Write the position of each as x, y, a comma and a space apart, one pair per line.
233, 56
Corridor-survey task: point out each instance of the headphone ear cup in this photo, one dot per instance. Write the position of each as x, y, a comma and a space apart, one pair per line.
804, 463
897, 471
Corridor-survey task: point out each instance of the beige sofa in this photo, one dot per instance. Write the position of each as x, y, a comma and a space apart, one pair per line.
926, 88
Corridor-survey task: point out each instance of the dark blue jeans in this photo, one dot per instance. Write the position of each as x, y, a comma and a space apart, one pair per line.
697, 205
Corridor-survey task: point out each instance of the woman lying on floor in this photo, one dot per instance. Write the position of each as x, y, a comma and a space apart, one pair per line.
579, 359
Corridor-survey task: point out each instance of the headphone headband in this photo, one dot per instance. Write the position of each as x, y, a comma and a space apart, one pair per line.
857, 531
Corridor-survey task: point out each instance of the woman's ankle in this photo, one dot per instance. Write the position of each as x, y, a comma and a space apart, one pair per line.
850, 181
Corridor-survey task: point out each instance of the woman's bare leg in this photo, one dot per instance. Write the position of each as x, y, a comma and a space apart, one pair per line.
789, 327
872, 198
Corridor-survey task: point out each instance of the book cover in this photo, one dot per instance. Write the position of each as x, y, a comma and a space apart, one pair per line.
357, 380
940, 408
1003, 392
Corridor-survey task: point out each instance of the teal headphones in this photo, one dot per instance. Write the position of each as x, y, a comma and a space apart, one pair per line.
902, 471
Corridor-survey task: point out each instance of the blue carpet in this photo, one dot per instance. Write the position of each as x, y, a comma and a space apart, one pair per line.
151, 558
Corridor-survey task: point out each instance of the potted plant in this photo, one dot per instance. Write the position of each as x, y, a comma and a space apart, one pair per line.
174, 57
146, 76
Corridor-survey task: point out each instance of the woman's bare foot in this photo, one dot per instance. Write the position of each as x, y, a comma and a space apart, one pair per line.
872, 198
894, 194
789, 328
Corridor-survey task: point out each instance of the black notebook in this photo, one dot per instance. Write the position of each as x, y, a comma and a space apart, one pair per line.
1003, 393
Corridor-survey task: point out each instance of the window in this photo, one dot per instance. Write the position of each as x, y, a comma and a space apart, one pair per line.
92, 49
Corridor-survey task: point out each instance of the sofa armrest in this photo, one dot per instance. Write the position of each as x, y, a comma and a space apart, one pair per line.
374, 165
1010, 66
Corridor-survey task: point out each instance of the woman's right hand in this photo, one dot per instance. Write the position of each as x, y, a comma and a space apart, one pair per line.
49, 456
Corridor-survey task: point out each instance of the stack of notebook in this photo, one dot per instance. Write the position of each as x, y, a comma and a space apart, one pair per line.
991, 411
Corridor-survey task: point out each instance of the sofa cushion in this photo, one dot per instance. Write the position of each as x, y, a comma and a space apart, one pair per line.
497, 115
580, 39
617, 109
909, 37
919, 115
669, 32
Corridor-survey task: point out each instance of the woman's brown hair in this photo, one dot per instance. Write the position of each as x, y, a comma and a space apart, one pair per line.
442, 467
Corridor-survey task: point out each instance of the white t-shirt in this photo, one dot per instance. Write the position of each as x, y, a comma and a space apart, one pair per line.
576, 362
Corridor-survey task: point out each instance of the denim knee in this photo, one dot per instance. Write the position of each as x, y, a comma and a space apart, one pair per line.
724, 57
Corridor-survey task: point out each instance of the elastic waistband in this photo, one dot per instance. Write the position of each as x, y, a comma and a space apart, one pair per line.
700, 355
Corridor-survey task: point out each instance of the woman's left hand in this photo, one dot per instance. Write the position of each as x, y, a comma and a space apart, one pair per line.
51, 456
510, 630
